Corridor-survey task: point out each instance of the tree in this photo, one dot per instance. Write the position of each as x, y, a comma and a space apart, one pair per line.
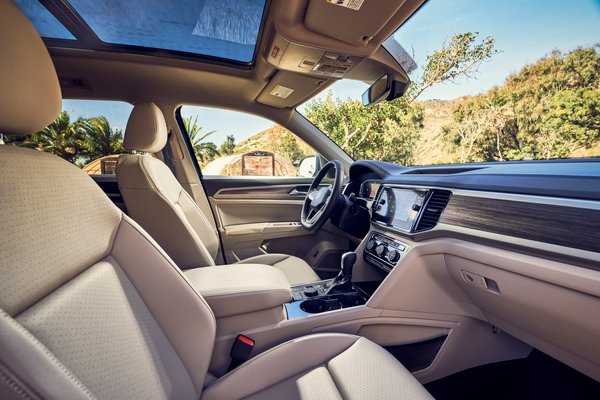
290, 148
549, 109
205, 151
101, 139
228, 146
389, 131
459, 58
385, 131
62, 138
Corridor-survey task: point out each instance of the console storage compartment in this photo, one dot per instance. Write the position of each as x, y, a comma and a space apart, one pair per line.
331, 302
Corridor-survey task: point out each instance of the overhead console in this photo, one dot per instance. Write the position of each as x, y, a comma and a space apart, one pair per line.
321, 41
286, 55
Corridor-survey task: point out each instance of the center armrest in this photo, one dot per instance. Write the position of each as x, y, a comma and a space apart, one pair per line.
240, 288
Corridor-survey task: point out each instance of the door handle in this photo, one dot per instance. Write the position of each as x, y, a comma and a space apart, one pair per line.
296, 192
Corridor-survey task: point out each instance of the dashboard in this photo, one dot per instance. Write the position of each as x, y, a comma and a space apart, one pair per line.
517, 243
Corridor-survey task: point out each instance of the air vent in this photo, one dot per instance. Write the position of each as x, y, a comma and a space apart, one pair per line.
433, 210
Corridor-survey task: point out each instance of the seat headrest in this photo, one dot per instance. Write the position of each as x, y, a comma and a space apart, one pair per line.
146, 129
30, 97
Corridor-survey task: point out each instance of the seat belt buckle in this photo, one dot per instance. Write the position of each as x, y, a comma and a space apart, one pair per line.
240, 351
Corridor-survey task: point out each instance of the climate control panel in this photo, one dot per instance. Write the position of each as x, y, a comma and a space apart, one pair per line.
383, 251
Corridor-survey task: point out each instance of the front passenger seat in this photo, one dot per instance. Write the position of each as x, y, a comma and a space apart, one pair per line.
157, 201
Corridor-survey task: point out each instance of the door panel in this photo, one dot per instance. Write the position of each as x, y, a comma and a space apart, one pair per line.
262, 215
216, 183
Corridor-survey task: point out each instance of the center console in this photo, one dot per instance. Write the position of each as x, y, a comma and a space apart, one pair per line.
327, 295
315, 298
383, 251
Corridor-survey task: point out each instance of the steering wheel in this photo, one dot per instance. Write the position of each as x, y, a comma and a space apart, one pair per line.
319, 203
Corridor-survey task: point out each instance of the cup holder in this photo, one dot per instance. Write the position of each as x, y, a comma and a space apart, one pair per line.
351, 300
333, 302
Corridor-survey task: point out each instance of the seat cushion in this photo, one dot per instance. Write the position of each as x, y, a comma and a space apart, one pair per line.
295, 269
321, 366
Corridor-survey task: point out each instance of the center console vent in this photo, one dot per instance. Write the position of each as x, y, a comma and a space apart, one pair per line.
438, 200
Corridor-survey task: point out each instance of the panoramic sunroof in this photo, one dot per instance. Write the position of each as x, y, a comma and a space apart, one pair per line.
44, 22
225, 29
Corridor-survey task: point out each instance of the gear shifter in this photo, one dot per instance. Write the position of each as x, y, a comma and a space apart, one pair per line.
345, 276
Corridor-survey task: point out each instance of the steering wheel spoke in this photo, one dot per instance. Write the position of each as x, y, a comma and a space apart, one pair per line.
320, 201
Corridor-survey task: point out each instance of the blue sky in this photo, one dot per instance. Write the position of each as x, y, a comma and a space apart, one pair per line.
525, 30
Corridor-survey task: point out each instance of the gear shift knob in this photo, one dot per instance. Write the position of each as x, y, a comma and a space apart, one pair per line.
348, 261
344, 278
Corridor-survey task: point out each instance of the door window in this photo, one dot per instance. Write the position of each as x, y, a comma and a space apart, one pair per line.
230, 143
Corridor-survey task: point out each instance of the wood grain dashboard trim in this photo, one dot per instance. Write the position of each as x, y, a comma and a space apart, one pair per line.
560, 225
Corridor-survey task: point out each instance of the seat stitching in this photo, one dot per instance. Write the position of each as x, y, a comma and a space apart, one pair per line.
185, 193
338, 384
173, 266
272, 349
13, 384
40, 346
333, 380
189, 228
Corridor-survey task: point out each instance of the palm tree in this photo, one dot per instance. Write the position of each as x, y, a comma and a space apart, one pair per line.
102, 139
61, 137
205, 151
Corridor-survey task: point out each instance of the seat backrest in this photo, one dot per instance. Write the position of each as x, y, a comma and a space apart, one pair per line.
156, 200
90, 305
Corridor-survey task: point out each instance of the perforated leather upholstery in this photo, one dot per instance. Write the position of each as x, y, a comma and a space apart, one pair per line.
157, 201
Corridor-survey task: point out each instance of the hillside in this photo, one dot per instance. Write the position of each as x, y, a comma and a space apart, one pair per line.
430, 148
276, 139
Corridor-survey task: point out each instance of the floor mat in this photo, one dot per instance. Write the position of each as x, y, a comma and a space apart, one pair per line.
535, 377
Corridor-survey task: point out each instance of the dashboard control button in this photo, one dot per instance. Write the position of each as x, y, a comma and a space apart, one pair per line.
370, 244
310, 291
392, 256
380, 249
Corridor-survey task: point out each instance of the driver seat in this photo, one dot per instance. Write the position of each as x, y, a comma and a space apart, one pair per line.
157, 201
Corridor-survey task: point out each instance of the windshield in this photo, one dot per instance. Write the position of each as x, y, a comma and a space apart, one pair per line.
494, 82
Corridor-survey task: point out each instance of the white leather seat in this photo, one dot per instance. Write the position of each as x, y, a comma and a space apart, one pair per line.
157, 201
92, 308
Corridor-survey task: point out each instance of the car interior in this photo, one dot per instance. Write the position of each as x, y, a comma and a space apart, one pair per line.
366, 280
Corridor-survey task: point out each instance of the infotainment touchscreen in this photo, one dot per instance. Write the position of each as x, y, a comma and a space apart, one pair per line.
398, 207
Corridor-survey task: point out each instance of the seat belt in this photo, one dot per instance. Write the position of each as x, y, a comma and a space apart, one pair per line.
240, 351
167, 152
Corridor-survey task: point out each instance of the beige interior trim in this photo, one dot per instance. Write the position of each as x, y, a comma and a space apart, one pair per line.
425, 297
240, 288
143, 260
28, 79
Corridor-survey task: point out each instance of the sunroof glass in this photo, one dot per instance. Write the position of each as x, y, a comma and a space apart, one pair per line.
45, 23
219, 28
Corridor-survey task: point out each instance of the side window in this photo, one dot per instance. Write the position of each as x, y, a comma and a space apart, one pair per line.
87, 133
230, 143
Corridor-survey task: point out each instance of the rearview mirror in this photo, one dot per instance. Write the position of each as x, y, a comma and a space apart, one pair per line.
378, 91
384, 89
